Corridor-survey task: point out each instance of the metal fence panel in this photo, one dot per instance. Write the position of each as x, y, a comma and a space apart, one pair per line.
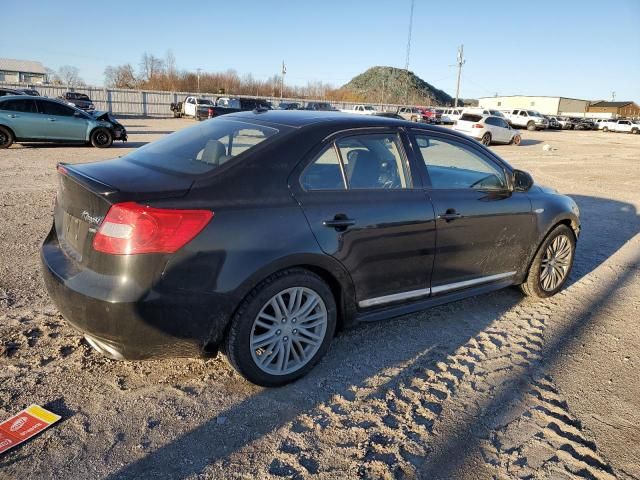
149, 103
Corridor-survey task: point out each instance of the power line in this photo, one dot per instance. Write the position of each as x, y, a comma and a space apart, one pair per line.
406, 64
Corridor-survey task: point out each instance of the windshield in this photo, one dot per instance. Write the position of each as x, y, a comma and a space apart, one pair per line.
533, 113
204, 101
368, 107
202, 148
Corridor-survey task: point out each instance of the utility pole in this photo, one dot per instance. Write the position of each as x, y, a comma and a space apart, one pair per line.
460, 61
284, 72
406, 64
198, 70
613, 96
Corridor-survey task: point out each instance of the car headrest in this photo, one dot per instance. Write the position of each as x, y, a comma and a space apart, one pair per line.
214, 152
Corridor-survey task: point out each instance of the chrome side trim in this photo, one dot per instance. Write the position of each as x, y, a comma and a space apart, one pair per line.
469, 283
370, 302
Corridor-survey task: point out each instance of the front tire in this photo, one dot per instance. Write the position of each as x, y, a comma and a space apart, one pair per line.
6, 138
282, 328
552, 264
517, 139
101, 138
531, 126
605, 129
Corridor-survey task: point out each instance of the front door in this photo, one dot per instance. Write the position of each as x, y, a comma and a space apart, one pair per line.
368, 211
61, 122
483, 228
21, 115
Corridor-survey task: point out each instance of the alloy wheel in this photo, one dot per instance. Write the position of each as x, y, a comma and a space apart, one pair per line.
288, 331
556, 262
102, 138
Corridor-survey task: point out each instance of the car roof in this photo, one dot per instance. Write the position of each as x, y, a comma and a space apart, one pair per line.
302, 118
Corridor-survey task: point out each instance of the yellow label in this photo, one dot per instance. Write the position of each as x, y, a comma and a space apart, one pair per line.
42, 414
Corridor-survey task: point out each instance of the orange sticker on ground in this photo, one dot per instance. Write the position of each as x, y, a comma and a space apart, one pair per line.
24, 425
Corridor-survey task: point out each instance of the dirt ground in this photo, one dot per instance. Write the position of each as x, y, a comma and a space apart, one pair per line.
495, 386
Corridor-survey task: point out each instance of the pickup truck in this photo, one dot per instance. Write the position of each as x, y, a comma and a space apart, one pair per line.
361, 110
625, 126
529, 119
198, 108
201, 108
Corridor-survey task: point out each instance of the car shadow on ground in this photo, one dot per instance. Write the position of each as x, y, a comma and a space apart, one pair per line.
149, 132
525, 142
392, 351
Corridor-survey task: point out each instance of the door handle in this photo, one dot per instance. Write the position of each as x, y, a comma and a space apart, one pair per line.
450, 215
340, 222
51, 119
11, 115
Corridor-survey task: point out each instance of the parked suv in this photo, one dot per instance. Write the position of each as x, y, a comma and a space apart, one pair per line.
487, 129
412, 114
78, 100
529, 119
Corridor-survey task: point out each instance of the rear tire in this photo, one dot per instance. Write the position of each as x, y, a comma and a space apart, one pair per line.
531, 126
101, 138
549, 271
294, 351
6, 138
486, 139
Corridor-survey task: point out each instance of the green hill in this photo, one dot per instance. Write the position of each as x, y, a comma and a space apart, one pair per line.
389, 85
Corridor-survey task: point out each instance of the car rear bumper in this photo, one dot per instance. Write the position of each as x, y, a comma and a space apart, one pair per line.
140, 323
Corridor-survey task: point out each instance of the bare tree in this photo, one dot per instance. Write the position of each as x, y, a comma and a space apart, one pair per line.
150, 66
121, 76
70, 76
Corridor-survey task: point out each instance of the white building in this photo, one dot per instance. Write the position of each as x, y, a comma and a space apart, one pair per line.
22, 71
544, 105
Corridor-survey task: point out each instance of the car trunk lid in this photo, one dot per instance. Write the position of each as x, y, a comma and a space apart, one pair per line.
86, 192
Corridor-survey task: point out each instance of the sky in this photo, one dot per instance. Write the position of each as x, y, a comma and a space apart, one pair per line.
574, 48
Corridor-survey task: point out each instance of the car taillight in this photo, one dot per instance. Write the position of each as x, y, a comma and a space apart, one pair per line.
131, 228
477, 125
211, 113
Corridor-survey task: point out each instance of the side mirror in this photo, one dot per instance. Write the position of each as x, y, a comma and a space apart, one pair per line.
522, 181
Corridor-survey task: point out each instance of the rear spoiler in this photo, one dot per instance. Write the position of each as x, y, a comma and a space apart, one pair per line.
92, 184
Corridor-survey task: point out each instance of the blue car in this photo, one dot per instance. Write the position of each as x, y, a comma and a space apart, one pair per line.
24, 118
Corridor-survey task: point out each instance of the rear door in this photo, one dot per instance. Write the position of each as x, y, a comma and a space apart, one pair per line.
60, 122
366, 208
21, 116
483, 228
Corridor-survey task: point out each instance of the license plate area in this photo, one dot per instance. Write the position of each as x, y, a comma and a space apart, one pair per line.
74, 234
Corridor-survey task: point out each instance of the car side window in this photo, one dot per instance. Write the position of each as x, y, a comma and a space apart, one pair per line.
54, 108
453, 165
325, 172
373, 161
491, 121
26, 106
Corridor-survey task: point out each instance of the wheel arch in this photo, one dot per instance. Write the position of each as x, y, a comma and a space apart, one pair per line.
326, 267
13, 134
567, 221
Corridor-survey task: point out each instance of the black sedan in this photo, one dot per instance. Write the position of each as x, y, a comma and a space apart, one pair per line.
263, 233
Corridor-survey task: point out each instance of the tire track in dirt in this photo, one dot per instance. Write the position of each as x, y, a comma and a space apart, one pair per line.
386, 432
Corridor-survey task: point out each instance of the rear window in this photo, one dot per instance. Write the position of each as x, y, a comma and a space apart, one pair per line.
204, 147
470, 117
